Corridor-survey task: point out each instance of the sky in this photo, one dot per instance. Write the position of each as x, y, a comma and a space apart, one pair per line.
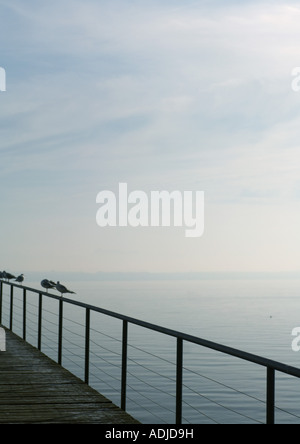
161, 95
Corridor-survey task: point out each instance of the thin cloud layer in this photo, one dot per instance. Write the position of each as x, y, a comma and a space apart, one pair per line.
160, 95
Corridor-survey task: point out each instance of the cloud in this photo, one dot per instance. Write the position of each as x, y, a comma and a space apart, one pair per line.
159, 94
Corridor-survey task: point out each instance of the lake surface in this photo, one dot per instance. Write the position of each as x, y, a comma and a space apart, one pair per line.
256, 316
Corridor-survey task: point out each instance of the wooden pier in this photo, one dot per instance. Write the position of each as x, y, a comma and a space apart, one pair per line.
34, 389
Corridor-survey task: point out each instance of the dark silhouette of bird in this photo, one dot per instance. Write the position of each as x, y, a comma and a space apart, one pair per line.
20, 278
8, 276
47, 284
62, 289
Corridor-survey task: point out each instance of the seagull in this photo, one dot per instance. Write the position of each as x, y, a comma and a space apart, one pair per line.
8, 276
47, 284
20, 278
62, 289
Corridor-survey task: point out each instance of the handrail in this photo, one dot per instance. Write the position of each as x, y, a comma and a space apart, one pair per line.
269, 364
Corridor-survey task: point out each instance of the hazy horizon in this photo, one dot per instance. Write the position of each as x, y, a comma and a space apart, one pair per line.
155, 276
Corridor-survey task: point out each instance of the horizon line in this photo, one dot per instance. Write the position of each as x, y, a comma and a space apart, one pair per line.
164, 275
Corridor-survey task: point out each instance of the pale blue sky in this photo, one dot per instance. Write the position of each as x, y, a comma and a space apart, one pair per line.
173, 95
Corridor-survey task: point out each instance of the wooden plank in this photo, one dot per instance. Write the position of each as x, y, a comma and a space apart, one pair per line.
34, 389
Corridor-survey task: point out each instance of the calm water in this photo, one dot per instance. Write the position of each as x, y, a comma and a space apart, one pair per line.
257, 316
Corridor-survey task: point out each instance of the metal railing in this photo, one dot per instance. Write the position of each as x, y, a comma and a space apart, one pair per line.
270, 365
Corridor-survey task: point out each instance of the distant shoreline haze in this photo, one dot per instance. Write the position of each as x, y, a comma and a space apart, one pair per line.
144, 276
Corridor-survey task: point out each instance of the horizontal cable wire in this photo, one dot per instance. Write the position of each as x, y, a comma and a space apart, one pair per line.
219, 404
224, 385
198, 411
151, 400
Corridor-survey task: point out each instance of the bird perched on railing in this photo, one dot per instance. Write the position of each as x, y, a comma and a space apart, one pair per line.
62, 289
47, 284
8, 276
20, 278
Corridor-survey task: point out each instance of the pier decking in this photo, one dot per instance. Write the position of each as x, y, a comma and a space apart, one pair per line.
34, 389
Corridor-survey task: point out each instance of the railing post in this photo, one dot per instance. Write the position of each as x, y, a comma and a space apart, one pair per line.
270, 396
40, 321
1, 300
87, 345
60, 331
11, 307
24, 313
179, 373
124, 365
